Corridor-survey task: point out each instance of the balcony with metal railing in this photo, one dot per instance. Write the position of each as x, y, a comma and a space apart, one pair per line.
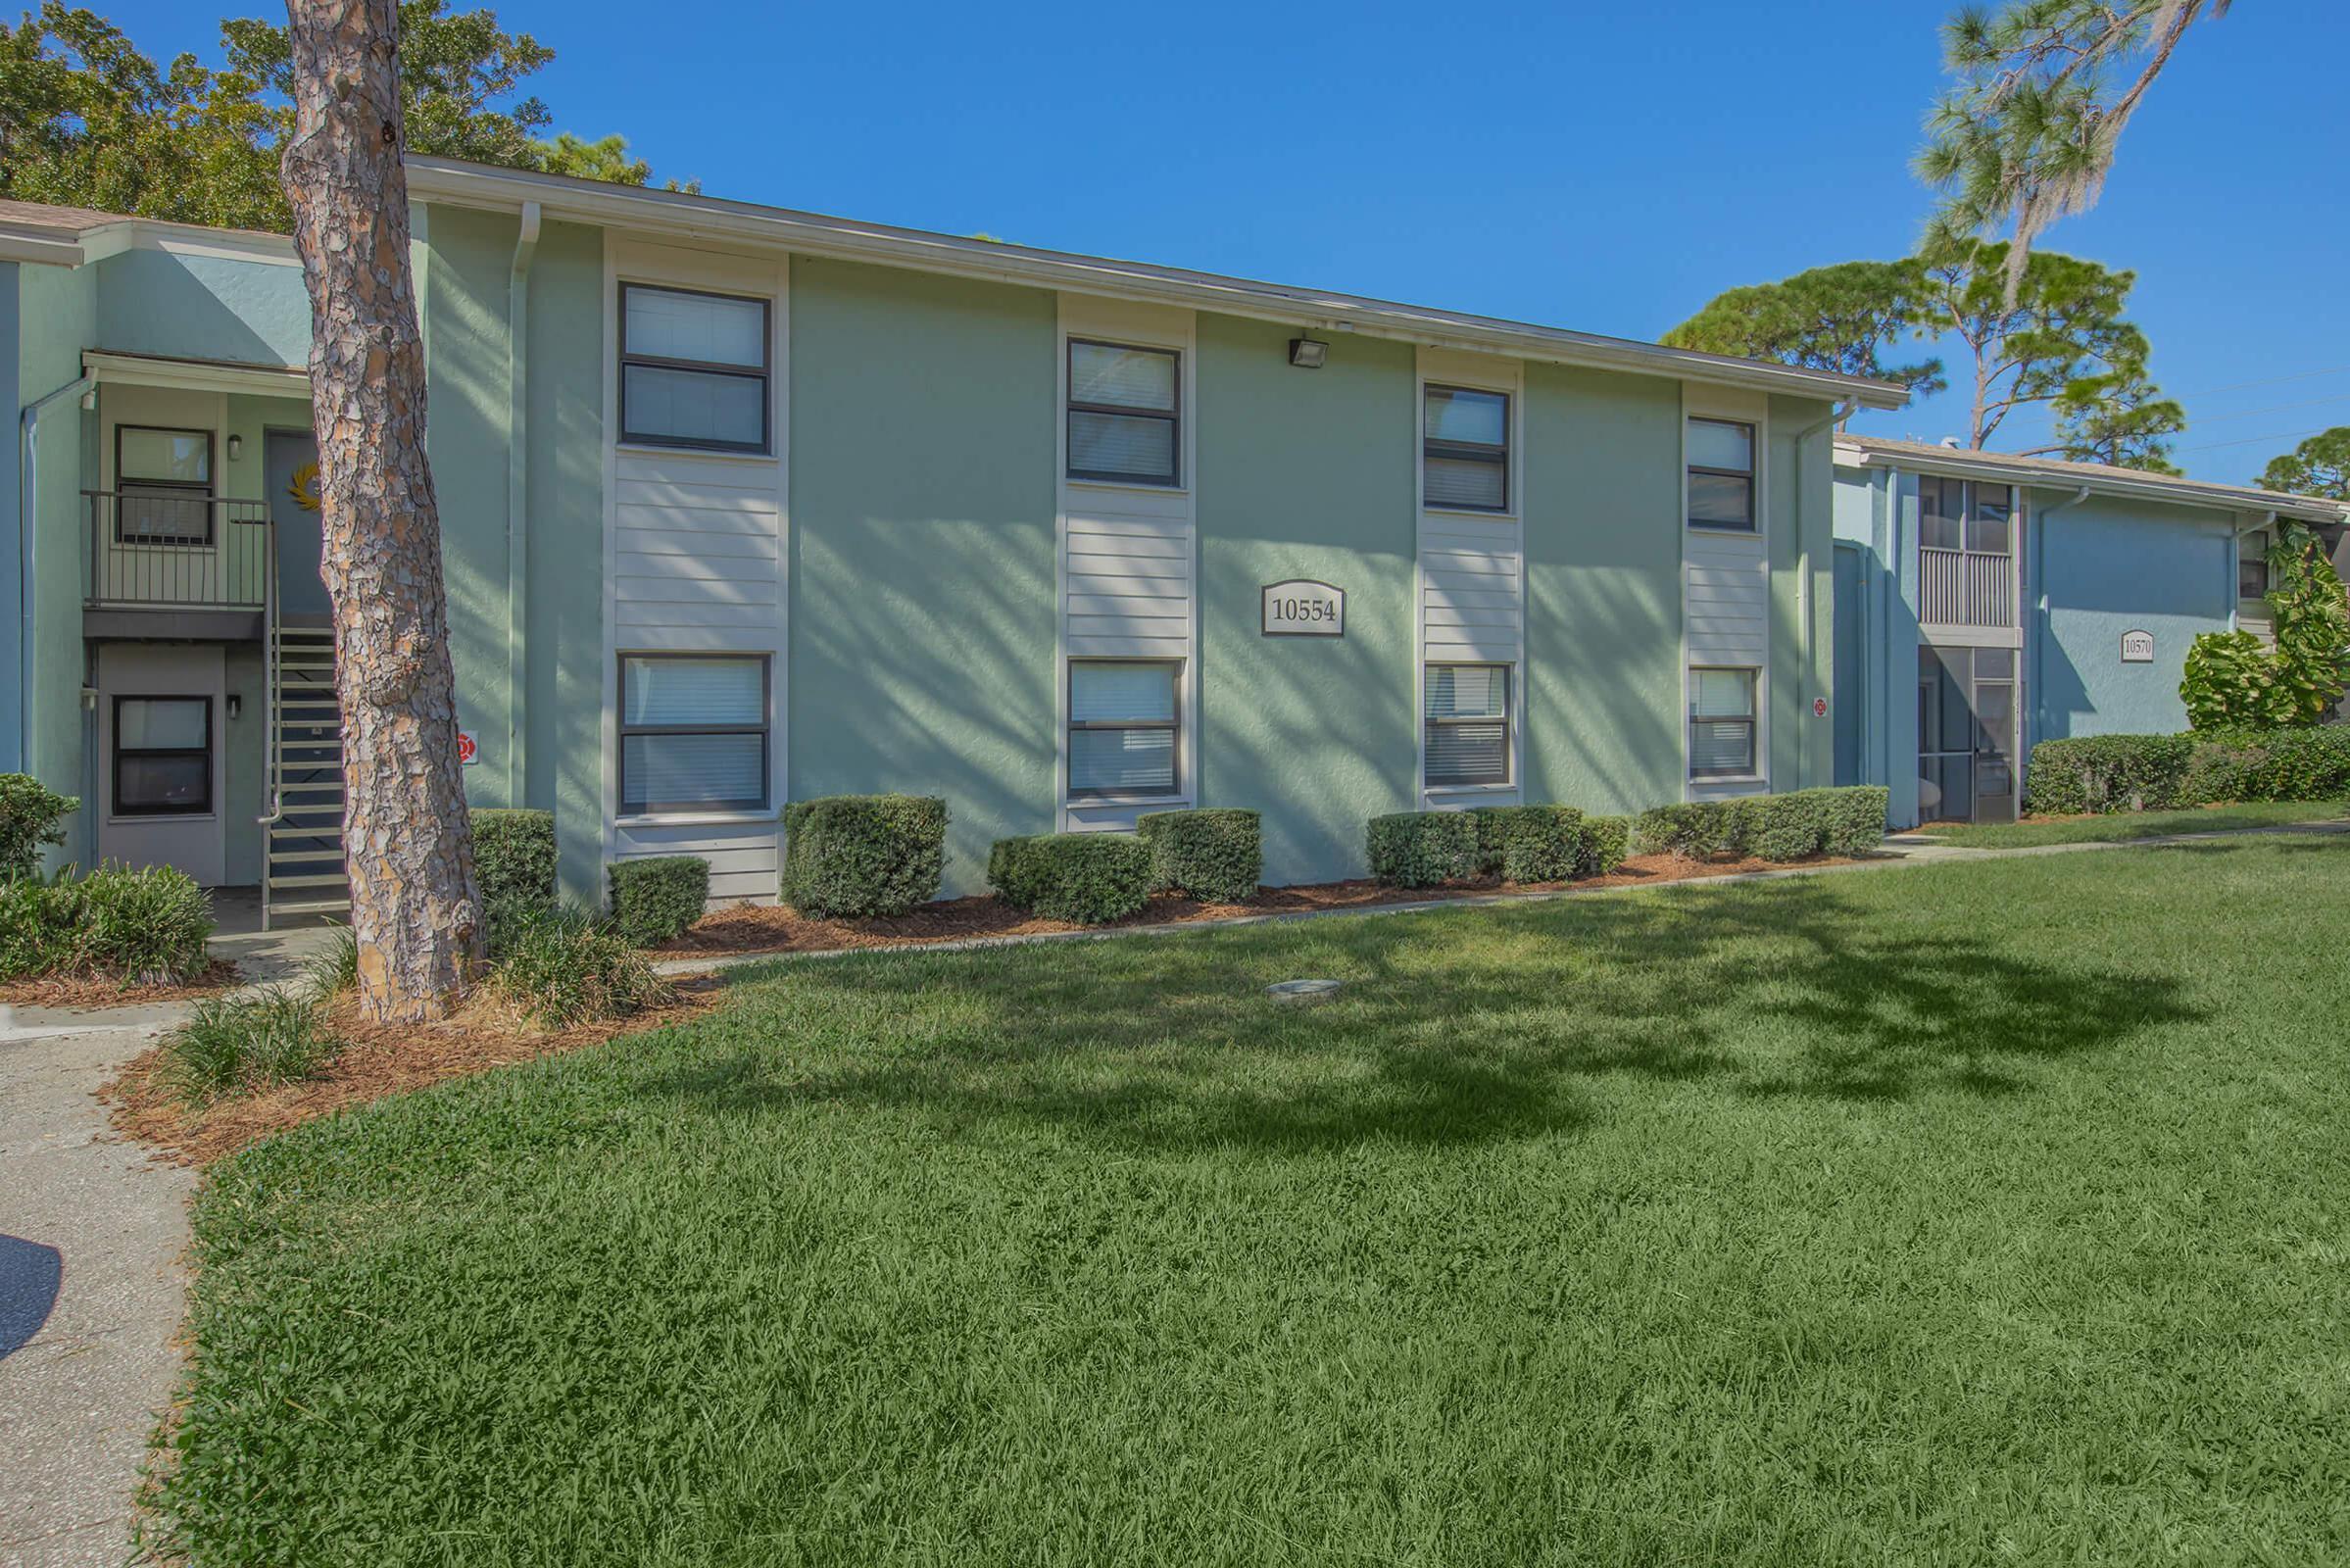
165, 562
1966, 588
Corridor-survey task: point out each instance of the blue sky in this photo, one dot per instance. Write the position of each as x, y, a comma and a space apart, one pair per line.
1607, 169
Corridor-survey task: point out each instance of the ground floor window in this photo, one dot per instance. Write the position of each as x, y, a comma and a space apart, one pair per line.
163, 756
1965, 734
1722, 724
1467, 723
694, 732
1123, 726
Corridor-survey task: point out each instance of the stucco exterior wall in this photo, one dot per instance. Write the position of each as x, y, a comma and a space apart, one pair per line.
1305, 473
197, 307
921, 548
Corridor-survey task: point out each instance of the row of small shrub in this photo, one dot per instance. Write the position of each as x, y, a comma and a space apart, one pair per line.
2099, 774
1215, 856
1516, 843
143, 927
1794, 826
514, 865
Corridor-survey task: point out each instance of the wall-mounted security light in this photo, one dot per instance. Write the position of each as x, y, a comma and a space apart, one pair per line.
89, 400
236, 447
236, 704
1306, 353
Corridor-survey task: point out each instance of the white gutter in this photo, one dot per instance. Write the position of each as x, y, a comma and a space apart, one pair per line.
1805, 615
518, 494
2096, 477
679, 213
28, 534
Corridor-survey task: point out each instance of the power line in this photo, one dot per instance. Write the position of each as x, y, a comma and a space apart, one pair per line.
2280, 435
2238, 386
2274, 408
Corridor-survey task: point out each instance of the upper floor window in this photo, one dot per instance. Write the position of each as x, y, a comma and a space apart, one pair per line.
694, 370
1467, 725
1125, 414
694, 732
1963, 514
163, 482
1464, 449
1721, 457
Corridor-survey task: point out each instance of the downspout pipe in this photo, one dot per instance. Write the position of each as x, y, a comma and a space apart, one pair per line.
1808, 687
29, 533
2035, 653
517, 496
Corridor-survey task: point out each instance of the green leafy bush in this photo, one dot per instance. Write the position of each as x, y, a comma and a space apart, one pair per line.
2233, 681
852, 855
40, 922
1423, 849
1528, 843
237, 1045
653, 900
1693, 829
31, 815
1085, 877
566, 965
1215, 854
514, 860
1606, 841
2109, 774
335, 968
1783, 827
1856, 819
2275, 765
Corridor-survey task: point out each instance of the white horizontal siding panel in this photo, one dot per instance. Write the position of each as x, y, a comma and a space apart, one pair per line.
697, 469
745, 860
1129, 644
674, 588
747, 619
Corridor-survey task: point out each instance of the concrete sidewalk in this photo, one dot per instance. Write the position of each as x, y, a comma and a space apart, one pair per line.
91, 1295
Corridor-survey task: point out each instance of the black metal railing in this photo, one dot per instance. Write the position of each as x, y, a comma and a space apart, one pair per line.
159, 548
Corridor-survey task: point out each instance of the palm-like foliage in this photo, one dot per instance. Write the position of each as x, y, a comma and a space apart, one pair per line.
2044, 89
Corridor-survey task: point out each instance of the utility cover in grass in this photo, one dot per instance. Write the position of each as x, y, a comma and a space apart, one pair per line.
1301, 990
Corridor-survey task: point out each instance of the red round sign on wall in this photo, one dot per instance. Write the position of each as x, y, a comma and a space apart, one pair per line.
1819, 707
465, 749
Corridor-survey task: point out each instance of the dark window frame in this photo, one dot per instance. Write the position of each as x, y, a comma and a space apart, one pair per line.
2253, 560
764, 729
172, 489
1173, 725
1752, 718
1468, 450
1507, 719
1970, 495
765, 374
1750, 475
1072, 405
115, 804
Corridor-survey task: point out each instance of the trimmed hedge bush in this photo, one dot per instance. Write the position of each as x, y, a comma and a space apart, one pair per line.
1085, 877
2101, 773
2109, 774
145, 927
31, 817
514, 860
1423, 849
1529, 843
1794, 826
1606, 841
852, 856
653, 900
1215, 854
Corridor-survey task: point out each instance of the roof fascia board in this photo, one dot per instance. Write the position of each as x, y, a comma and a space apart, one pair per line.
195, 375
22, 243
183, 239
674, 215
2185, 493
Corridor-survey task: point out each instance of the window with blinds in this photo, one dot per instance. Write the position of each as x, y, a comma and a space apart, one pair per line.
1721, 460
693, 733
1722, 724
1467, 725
1122, 727
163, 479
1464, 449
694, 370
1125, 414
163, 757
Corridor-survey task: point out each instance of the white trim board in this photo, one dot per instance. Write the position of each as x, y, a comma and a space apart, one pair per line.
1467, 547
1727, 571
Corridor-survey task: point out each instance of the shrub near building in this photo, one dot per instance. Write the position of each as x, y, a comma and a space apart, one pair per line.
1216, 854
847, 856
2100, 773
653, 900
1086, 877
1529, 843
1422, 849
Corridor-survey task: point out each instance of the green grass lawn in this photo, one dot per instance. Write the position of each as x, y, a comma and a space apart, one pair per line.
2123, 826
1985, 1213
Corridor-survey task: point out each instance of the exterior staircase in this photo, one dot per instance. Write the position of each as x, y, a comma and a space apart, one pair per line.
304, 874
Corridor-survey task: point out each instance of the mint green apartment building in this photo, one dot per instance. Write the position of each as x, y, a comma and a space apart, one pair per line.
742, 505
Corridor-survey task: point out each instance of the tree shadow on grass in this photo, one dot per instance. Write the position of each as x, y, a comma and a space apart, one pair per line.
1455, 1027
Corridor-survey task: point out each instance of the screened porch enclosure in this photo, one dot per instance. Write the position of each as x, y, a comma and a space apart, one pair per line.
1965, 734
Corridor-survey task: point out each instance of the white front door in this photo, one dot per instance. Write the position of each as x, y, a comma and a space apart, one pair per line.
162, 782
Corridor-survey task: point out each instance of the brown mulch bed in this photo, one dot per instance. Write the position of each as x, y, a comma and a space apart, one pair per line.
84, 992
773, 928
377, 1060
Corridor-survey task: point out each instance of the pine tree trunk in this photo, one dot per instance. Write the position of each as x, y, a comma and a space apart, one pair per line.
415, 908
